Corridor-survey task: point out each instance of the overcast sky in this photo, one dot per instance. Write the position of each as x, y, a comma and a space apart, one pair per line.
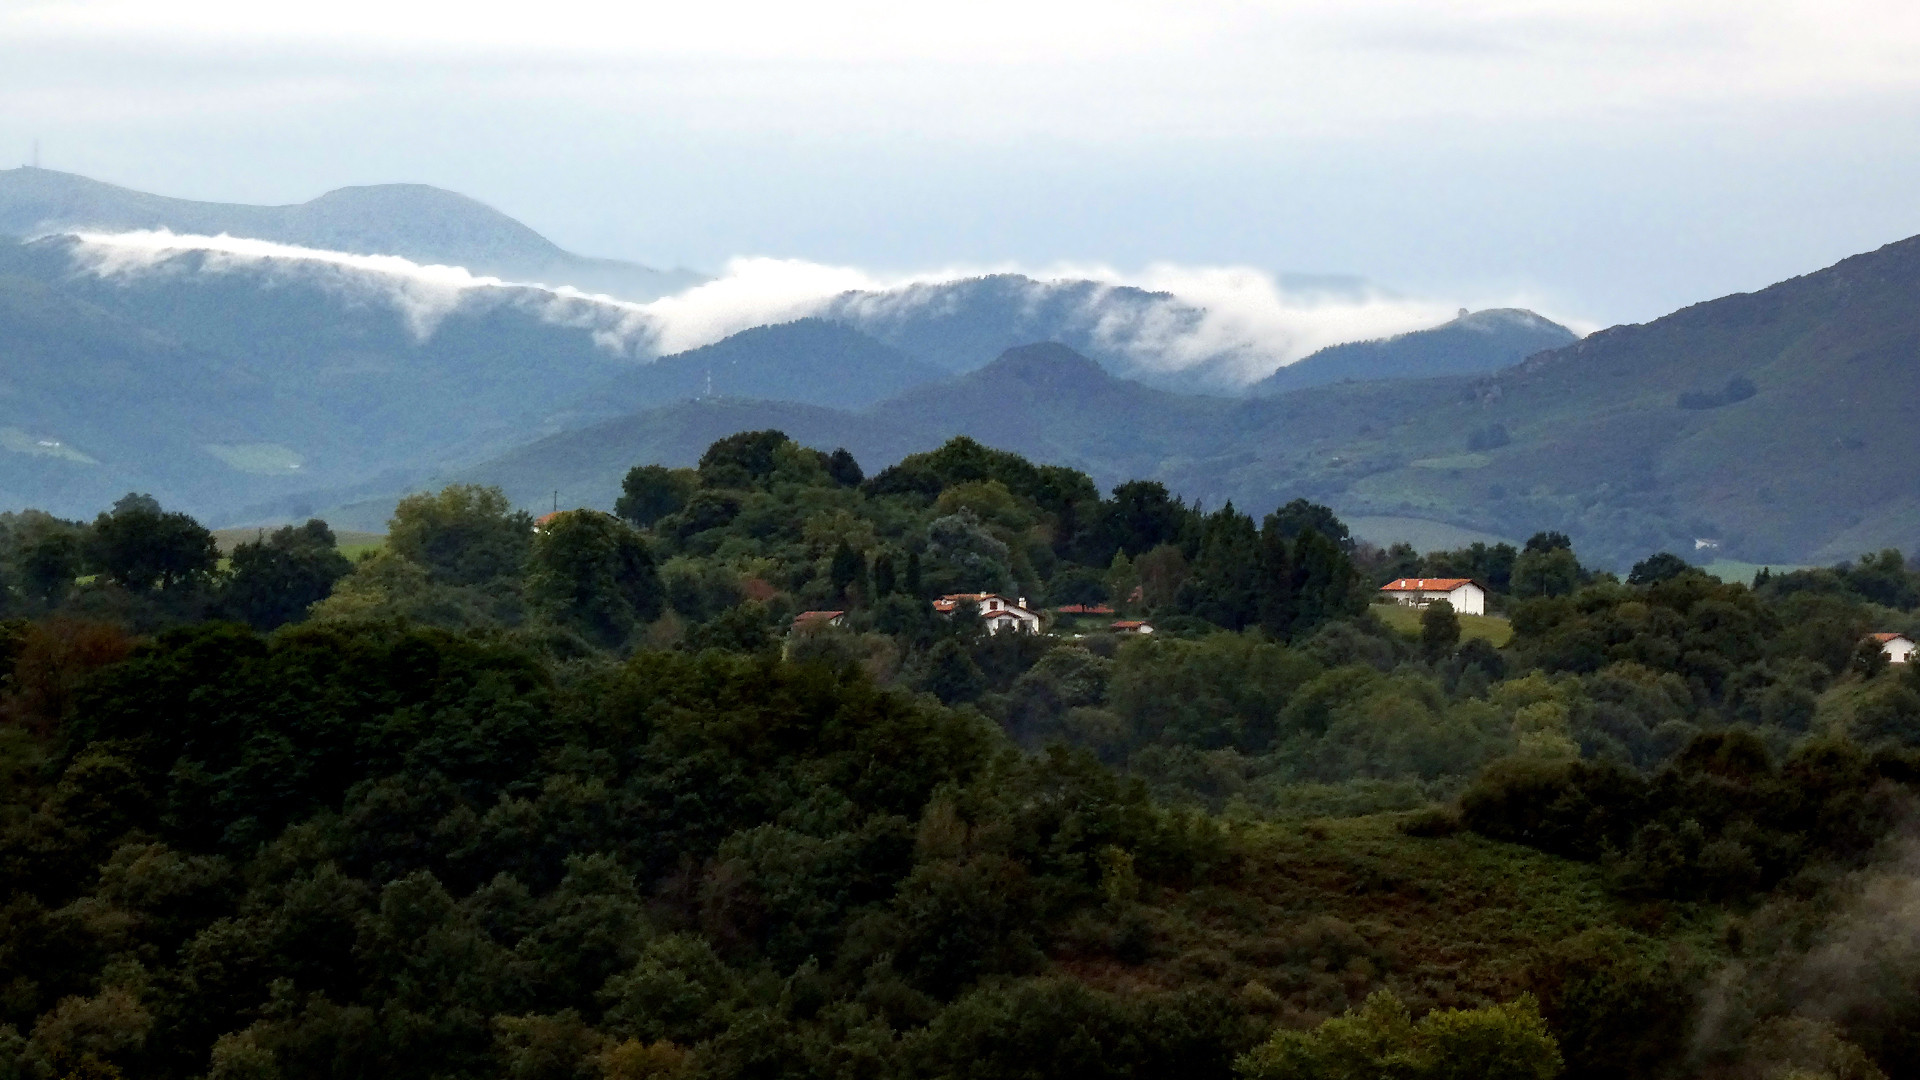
1604, 160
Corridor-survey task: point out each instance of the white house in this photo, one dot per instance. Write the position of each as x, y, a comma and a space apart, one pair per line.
1465, 594
998, 612
1898, 647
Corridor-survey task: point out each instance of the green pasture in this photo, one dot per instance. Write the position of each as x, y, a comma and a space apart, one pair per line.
1407, 620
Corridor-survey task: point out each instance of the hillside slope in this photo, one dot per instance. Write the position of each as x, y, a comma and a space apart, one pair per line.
809, 361
1469, 345
414, 221
218, 391
1778, 424
1044, 401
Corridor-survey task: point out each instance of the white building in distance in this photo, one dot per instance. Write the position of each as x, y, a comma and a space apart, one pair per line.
1466, 595
1898, 647
997, 612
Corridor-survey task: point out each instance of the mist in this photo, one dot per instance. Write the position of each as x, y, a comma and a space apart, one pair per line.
1225, 326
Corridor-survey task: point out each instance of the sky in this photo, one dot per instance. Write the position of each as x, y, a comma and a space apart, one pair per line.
1599, 160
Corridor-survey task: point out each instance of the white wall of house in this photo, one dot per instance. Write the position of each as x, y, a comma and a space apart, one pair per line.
1012, 618
1468, 599
1898, 650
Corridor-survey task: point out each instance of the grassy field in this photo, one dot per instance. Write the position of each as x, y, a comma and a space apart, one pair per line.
1385, 531
1731, 571
1407, 620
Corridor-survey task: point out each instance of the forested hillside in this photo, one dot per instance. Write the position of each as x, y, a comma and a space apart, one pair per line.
586, 798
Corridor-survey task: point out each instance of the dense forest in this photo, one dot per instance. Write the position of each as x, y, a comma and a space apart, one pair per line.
582, 797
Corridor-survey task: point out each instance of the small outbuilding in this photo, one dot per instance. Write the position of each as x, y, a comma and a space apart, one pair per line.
815, 620
1467, 596
1898, 647
1132, 626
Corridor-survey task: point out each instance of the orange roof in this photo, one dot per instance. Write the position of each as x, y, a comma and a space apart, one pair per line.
1883, 638
544, 518
954, 600
1129, 624
1084, 609
817, 616
1426, 584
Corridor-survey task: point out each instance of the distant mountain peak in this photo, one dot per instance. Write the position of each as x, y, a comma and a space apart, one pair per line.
1045, 365
414, 221
1471, 344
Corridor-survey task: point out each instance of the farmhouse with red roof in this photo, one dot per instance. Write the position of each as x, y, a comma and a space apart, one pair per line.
1467, 596
1898, 647
998, 612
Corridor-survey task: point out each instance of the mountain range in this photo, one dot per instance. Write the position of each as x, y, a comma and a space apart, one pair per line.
413, 221
1769, 426
1772, 427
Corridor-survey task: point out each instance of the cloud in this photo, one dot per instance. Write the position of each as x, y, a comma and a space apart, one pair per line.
1223, 326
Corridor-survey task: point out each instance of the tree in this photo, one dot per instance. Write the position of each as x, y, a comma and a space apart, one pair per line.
1439, 629
1324, 582
591, 571
275, 579
1078, 585
844, 470
1224, 586
651, 492
846, 568
49, 560
465, 535
1545, 571
1657, 568
142, 547
886, 579
1301, 516
1275, 585
1140, 517
963, 556
743, 460
950, 673
1541, 542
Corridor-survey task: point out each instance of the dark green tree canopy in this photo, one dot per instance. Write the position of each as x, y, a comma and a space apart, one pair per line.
651, 492
591, 571
464, 535
741, 461
142, 547
275, 579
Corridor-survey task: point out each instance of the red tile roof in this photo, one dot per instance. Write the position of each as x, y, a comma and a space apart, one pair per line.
951, 601
1426, 584
1884, 638
816, 616
1128, 624
1084, 609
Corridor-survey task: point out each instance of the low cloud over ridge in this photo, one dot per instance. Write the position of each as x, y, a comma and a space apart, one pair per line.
1219, 326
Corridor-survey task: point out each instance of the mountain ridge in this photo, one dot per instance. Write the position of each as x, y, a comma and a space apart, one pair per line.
1471, 344
414, 221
